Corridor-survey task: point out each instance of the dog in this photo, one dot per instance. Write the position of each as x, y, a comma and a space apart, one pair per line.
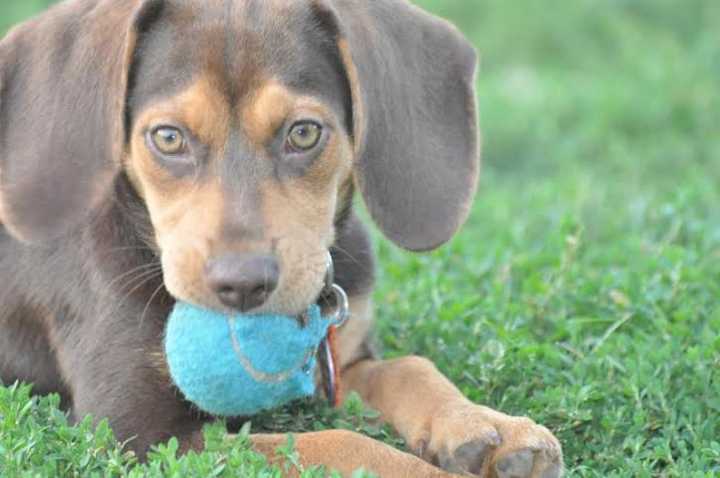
209, 151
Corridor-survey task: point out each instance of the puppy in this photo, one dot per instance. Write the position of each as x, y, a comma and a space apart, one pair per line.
209, 151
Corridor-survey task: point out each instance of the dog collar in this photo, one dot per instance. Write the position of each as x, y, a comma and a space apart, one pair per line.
328, 353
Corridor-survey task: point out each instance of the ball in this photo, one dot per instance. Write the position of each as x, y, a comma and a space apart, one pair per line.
239, 365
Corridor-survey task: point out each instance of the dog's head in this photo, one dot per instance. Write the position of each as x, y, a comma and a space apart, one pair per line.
244, 125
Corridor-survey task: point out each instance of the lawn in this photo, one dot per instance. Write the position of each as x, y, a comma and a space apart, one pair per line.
584, 289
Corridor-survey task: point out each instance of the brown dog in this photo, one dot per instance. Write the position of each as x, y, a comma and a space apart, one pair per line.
209, 151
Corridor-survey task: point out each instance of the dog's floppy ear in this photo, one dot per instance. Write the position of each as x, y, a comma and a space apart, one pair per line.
412, 80
63, 86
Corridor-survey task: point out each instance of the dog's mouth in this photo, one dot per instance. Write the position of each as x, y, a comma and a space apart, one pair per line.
328, 296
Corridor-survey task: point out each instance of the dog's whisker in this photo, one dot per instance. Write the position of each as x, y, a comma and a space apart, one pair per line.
149, 302
139, 280
132, 271
123, 248
115, 250
139, 277
131, 281
121, 301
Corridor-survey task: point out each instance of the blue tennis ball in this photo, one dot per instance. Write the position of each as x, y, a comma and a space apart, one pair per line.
239, 365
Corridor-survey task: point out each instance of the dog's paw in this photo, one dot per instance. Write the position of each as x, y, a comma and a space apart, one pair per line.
473, 440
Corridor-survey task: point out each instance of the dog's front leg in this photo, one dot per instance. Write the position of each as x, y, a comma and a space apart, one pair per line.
116, 370
346, 451
442, 426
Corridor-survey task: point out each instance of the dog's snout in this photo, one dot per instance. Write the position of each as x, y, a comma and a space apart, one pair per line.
243, 281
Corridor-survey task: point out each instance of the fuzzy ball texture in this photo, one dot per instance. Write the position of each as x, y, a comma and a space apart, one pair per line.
242, 364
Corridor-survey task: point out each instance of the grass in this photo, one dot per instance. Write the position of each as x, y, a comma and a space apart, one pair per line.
584, 290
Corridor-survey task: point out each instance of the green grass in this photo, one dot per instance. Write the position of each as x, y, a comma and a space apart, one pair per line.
584, 290
36, 441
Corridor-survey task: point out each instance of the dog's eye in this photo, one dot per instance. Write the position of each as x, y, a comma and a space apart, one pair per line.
169, 140
304, 136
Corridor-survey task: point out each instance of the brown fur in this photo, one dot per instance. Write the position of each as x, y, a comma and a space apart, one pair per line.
100, 234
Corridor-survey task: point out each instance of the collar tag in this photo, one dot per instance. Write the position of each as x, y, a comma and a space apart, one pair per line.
333, 295
329, 369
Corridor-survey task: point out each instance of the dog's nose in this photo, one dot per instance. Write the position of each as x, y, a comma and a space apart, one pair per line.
243, 281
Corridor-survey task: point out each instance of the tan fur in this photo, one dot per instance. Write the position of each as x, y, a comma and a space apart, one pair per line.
435, 419
266, 111
301, 235
346, 452
186, 234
